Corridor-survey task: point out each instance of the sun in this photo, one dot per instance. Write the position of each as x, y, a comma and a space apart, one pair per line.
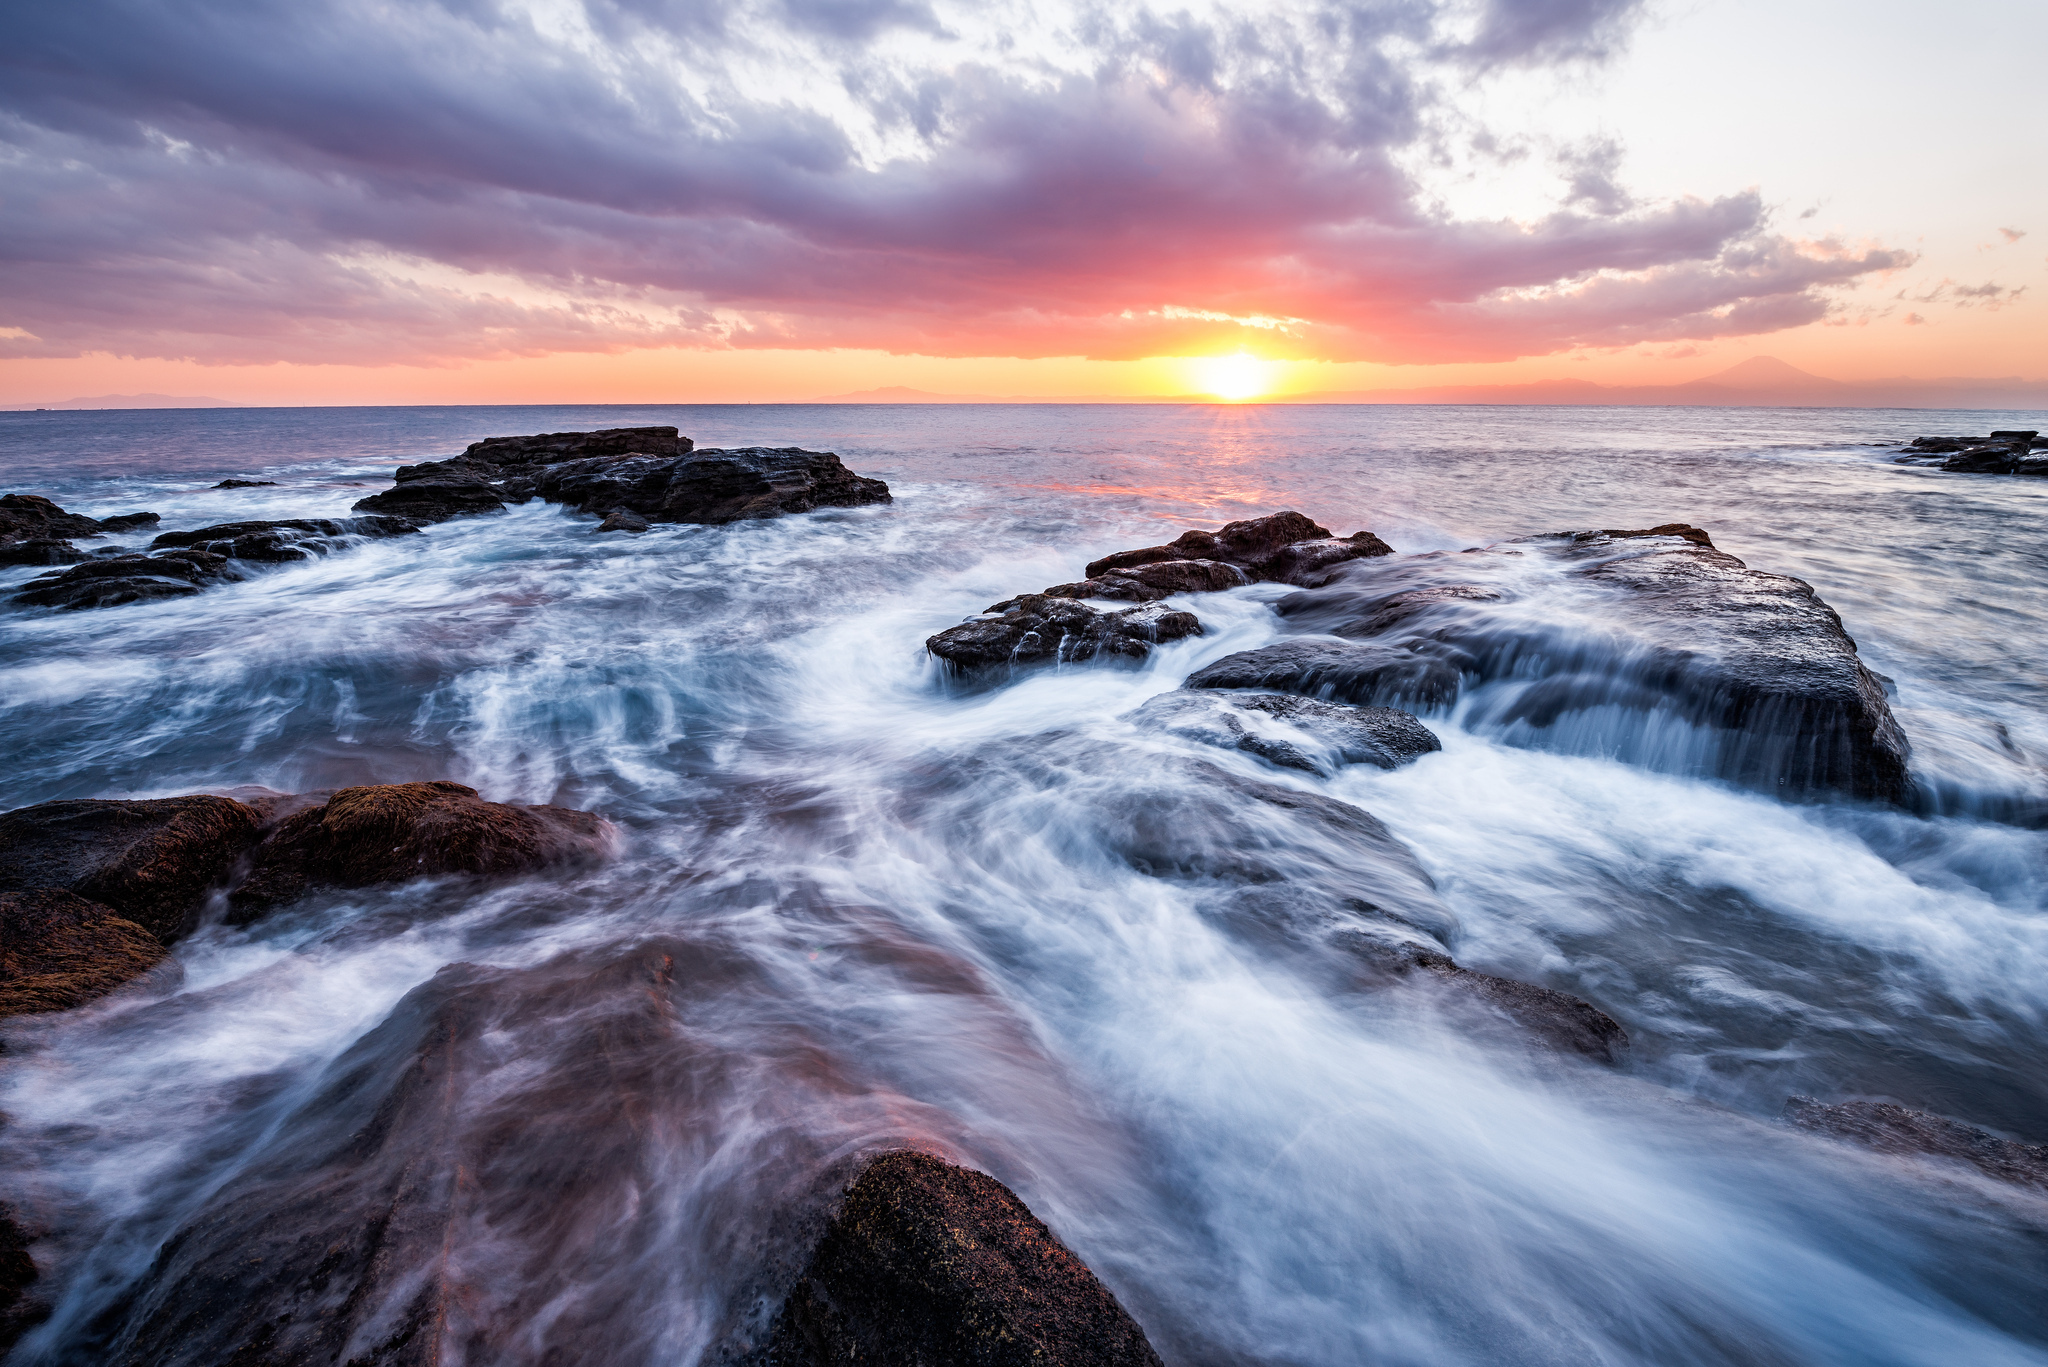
1234, 378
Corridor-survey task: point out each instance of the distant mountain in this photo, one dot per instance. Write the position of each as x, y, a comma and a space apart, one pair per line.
136, 401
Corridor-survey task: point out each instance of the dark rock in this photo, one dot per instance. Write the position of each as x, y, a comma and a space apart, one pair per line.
115, 580
1041, 629
550, 448
129, 522
278, 542
2012, 437
20, 1308
1939, 445
394, 832
711, 487
1149, 583
40, 551
59, 950
246, 484
2035, 466
437, 491
623, 521
1678, 529
1556, 1019
1895, 1129
1984, 460
31, 516
1281, 548
1293, 732
928, 1263
1343, 671
153, 862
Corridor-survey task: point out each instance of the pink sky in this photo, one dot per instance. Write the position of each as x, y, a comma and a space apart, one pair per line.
647, 200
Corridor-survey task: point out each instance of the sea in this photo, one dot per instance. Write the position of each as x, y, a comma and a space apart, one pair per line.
903, 911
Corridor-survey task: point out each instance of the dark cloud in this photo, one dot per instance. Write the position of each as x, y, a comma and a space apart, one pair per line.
345, 180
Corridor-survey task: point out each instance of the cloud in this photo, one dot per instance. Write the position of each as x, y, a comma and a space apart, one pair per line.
2012, 235
367, 181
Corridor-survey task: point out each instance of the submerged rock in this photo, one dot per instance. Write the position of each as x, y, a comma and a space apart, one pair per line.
1284, 548
928, 1263
285, 540
1346, 671
395, 832
623, 521
1039, 629
59, 950
246, 484
1895, 1129
711, 487
1292, 732
153, 862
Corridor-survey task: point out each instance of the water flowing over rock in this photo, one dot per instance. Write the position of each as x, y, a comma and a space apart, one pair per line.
925, 1262
1650, 646
35, 531
1283, 548
394, 832
1037, 629
285, 540
1891, 1128
20, 1308
59, 950
1290, 731
152, 862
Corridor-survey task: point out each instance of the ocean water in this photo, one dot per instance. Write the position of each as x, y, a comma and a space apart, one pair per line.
897, 910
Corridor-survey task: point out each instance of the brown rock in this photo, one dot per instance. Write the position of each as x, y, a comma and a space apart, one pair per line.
1038, 629
58, 950
151, 862
1891, 1128
389, 833
1280, 548
1680, 529
31, 515
927, 1263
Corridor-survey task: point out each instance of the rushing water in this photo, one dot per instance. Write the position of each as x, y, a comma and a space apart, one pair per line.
898, 910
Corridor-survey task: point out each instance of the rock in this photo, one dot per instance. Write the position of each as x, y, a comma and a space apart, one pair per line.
129, 522
1895, 1129
928, 1263
1149, 583
31, 516
2011, 438
436, 491
1343, 671
152, 862
623, 521
391, 833
246, 484
1552, 1018
1984, 460
711, 487
115, 580
59, 950
1039, 629
278, 542
1678, 529
40, 550
1293, 732
1604, 643
1282, 548
551, 448
20, 1308
2035, 466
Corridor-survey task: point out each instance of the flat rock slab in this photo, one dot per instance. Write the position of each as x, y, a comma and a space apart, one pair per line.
59, 950
1293, 732
119, 580
549, 448
153, 862
928, 1263
713, 486
1038, 629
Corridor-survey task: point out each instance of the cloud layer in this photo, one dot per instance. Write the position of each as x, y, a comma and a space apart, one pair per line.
362, 182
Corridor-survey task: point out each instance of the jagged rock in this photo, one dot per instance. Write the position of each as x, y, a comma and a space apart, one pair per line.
246, 484
129, 522
1293, 732
2001, 453
40, 551
59, 950
550, 448
623, 521
31, 516
278, 542
394, 832
1362, 673
1284, 548
711, 487
152, 862
928, 1263
1891, 1128
438, 490
1149, 583
115, 580
1039, 629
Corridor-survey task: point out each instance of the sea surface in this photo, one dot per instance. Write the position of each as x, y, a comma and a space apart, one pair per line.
904, 911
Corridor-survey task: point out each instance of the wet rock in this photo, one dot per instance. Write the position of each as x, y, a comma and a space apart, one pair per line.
20, 1308
929, 1263
551, 448
1362, 673
285, 540
1682, 530
390, 833
1545, 1015
1895, 1129
40, 551
129, 522
31, 516
1039, 629
711, 487
59, 950
1149, 583
1984, 460
246, 484
1292, 732
117, 580
1283, 548
437, 491
2000, 453
153, 862
623, 521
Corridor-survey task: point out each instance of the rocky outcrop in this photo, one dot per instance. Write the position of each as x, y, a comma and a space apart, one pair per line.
285, 540
152, 862
438, 490
35, 531
1037, 629
1283, 548
122, 579
59, 950
1345, 671
1895, 1129
925, 1262
1293, 732
550, 448
395, 832
2000, 453
711, 487
246, 484
1151, 582
40, 550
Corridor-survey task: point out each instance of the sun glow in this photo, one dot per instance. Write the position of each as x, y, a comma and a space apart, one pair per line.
1234, 378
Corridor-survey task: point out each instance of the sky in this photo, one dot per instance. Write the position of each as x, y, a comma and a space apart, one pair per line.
475, 201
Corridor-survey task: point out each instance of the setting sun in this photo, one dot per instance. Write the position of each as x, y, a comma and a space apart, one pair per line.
1236, 377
